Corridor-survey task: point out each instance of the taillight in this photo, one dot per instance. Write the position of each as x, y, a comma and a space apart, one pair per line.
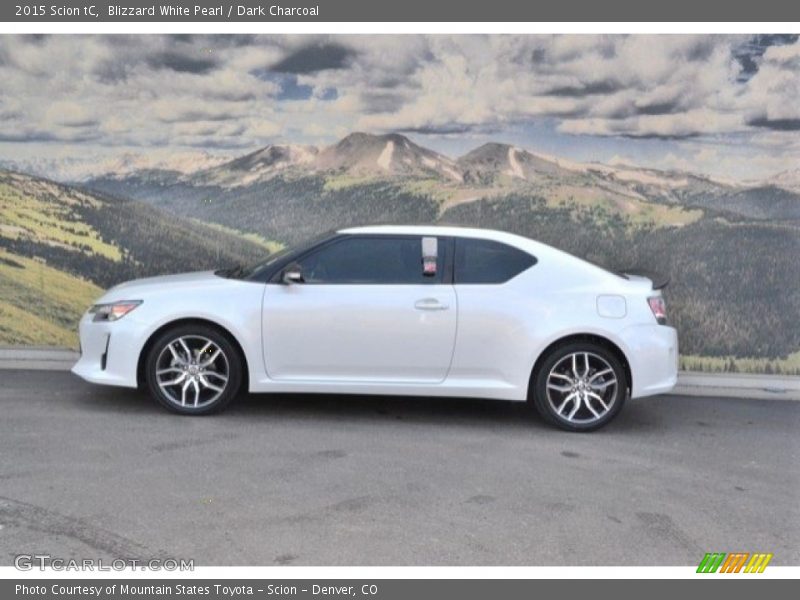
659, 308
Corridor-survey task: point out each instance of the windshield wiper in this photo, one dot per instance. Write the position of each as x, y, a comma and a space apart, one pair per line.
234, 272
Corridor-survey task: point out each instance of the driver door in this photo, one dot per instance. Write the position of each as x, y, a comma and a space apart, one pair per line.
367, 309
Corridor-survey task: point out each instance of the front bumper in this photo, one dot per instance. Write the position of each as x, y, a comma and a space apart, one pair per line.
653, 356
109, 351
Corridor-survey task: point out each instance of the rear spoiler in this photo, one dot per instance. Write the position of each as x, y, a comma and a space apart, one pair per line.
660, 281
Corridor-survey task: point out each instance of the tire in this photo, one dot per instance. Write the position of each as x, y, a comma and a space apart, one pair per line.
577, 396
201, 381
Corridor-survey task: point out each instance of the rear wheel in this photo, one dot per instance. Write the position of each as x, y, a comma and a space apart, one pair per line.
580, 386
193, 370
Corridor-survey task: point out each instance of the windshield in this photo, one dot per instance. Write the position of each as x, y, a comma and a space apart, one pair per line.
248, 271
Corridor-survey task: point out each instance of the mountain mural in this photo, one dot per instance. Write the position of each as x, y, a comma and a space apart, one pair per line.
726, 246
490, 169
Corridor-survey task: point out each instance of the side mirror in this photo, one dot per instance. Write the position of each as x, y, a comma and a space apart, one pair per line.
292, 274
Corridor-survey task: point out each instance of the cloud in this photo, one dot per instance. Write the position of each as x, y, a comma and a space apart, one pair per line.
181, 110
262, 128
380, 101
70, 114
313, 58
597, 85
776, 124
668, 126
181, 63
220, 90
771, 97
749, 53
601, 87
439, 130
210, 128
25, 135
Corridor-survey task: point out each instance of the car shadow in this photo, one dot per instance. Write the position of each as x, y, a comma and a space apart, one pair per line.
327, 407
412, 409
338, 408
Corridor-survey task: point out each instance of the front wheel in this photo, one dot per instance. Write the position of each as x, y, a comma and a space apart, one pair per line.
580, 387
193, 370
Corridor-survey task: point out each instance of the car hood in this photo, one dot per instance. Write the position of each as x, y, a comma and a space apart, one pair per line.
129, 289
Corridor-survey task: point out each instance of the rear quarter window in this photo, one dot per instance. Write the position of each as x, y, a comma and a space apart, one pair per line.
487, 261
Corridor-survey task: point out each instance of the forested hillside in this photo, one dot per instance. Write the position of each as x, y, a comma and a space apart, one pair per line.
734, 288
289, 210
59, 247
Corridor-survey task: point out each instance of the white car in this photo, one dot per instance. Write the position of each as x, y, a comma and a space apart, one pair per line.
400, 310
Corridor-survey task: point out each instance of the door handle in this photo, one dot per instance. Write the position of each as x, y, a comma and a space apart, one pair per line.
430, 304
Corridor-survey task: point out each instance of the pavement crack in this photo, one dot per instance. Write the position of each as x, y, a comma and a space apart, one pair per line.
193, 442
42, 519
665, 528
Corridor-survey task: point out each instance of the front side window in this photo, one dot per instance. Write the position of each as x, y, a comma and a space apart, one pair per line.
376, 260
487, 261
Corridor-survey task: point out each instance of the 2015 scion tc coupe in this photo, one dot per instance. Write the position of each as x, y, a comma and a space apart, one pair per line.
422, 311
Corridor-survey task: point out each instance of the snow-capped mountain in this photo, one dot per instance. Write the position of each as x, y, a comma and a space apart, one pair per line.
259, 165
391, 155
386, 155
358, 155
492, 160
493, 168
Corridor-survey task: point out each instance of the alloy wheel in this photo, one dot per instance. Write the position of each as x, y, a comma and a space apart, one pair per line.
582, 388
192, 371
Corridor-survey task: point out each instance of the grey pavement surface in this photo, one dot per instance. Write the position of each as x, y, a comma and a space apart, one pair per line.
98, 472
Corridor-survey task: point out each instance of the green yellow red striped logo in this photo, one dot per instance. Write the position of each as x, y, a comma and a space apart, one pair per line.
734, 562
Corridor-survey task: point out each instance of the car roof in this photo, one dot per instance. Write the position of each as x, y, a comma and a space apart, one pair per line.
442, 230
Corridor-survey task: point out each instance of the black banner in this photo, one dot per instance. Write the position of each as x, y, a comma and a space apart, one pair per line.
385, 589
408, 11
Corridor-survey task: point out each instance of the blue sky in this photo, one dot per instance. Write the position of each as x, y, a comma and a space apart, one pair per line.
721, 105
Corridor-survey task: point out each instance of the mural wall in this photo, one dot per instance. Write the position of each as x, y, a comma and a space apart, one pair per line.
129, 156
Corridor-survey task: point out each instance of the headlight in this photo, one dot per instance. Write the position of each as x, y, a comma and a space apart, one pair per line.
114, 310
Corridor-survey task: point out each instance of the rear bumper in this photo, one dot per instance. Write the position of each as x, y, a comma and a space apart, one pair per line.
109, 352
653, 356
